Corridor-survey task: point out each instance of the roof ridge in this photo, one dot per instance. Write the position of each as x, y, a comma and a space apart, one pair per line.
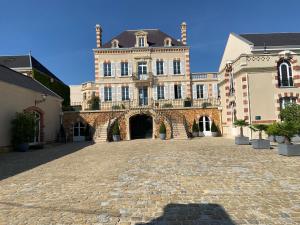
271, 33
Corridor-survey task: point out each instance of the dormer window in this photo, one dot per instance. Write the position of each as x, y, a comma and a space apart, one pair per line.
167, 42
115, 43
141, 39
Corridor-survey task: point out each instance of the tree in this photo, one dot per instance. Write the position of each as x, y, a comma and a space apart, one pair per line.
162, 129
94, 103
260, 128
241, 124
195, 127
115, 128
288, 130
291, 113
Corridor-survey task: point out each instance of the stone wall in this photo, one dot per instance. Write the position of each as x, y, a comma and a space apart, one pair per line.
94, 118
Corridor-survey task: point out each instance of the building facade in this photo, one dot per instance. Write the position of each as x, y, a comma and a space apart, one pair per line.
259, 75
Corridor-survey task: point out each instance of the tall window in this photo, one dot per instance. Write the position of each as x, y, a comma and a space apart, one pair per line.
125, 93
141, 42
176, 66
107, 94
159, 67
285, 74
231, 87
160, 92
107, 69
177, 91
142, 70
200, 91
286, 100
124, 68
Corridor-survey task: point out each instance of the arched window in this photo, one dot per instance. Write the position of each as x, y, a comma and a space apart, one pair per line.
285, 76
167, 42
115, 43
205, 125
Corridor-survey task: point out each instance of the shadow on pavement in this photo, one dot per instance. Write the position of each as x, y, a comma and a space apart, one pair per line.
192, 214
12, 163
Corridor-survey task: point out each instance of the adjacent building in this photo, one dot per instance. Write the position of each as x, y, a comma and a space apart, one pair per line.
259, 75
23, 93
30, 66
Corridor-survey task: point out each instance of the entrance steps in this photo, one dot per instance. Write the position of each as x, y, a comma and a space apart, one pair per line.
101, 133
179, 131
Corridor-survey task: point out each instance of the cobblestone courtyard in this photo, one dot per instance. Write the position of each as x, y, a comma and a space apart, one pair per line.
201, 181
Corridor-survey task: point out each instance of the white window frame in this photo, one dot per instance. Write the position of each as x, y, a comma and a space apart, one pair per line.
159, 67
107, 72
141, 41
124, 68
284, 101
160, 92
125, 93
200, 91
107, 94
176, 66
178, 91
289, 76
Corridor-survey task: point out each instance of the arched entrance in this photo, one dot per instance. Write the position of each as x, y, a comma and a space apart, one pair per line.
141, 126
205, 125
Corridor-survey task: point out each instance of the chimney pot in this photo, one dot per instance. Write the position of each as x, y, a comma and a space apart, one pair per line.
98, 36
183, 33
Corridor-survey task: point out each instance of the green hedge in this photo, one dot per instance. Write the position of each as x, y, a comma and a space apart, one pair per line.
55, 86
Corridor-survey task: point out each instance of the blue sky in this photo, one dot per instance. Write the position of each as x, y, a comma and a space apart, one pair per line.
61, 33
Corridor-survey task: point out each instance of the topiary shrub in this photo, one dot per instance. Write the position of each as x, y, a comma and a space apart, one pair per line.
162, 129
214, 127
195, 127
94, 103
115, 128
167, 105
241, 124
260, 128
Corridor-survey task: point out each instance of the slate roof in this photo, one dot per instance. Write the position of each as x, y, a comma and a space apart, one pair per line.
23, 61
12, 77
155, 38
273, 39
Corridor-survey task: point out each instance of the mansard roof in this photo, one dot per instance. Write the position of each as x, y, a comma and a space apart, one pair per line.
10, 76
273, 39
23, 62
155, 38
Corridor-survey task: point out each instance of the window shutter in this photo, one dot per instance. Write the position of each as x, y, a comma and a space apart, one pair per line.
118, 69
101, 69
215, 90
165, 68
154, 71
182, 67
119, 93
102, 93
130, 68
113, 93
183, 91
171, 88
154, 92
171, 67
131, 92
113, 69
205, 94
166, 90
194, 91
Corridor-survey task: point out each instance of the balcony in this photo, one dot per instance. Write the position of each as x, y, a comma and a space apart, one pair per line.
143, 78
204, 76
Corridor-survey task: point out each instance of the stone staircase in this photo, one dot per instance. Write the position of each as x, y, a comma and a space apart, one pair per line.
179, 131
101, 133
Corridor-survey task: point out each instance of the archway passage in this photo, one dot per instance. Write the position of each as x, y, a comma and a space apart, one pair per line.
141, 126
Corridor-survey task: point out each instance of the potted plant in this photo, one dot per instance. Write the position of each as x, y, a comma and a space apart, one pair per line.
195, 129
214, 130
162, 131
291, 113
187, 102
23, 128
288, 130
241, 139
272, 131
116, 131
260, 143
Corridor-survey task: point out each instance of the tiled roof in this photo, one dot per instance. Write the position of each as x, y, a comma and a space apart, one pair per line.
273, 39
155, 38
12, 77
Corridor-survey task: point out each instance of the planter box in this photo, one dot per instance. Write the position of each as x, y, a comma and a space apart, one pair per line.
260, 144
24, 147
279, 139
201, 134
195, 134
241, 140
289, 150
296, 138
214, 134
272, 138
162, 136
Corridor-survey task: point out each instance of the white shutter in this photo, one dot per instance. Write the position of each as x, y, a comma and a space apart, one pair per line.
194, 91
129, 68
171, 93
215, 90
113, 69
171, 67
113, 93
182, 67
154, 92
183, 91
205, 93
118, 69
130, 92
166, 90
165, 69
102, 93
119, 93
154, 71
101, 69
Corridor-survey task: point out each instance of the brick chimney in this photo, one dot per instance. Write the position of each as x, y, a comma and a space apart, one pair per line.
98, 36
183, 33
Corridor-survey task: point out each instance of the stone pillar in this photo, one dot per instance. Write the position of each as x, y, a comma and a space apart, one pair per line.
183, 33
98, 36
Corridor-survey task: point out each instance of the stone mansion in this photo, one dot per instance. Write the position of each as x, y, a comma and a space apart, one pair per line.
143, 78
